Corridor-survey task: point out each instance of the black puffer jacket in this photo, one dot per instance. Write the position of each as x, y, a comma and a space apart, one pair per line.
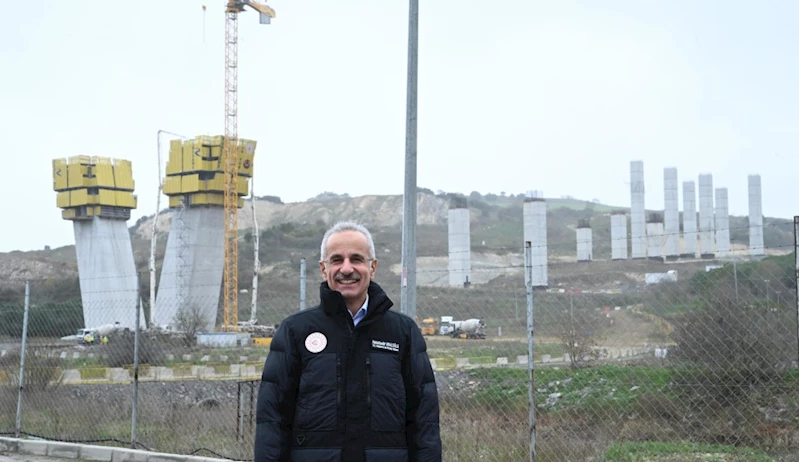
334, 392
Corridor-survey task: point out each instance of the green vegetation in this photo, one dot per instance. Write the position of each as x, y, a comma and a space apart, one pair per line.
588, 390
45, 320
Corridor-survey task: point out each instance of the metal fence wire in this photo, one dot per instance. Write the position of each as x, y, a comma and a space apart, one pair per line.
625, 353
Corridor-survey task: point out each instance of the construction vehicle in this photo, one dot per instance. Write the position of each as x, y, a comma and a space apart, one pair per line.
429, 326
470, 328
93, 335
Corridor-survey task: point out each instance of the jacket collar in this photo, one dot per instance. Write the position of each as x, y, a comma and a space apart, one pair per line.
332, 302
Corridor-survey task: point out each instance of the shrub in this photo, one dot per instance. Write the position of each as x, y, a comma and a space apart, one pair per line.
734, 345
41, 372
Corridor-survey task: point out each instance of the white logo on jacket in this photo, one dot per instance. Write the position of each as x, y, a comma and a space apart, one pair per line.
388, 346
315, 342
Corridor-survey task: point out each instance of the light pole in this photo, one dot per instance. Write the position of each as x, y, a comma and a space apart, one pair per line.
408, 284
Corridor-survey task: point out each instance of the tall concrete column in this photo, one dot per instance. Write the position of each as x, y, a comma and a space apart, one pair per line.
534, 216
637, 210
671, 215
707, 240
689, 219
459, 243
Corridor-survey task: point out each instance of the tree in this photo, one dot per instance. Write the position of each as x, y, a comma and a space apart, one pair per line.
579, 331
190, 321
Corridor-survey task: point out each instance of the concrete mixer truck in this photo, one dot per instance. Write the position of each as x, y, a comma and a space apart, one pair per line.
470, 328
92, 335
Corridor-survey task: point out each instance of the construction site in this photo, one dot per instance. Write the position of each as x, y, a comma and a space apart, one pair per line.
662, 322
205, 182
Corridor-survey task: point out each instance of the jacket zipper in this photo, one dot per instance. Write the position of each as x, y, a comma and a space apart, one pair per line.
368, 384
339, 390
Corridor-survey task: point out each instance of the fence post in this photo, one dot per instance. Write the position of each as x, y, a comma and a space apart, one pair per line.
302, 284
135, 409
239, 413
528, 282
18, 429
796, 275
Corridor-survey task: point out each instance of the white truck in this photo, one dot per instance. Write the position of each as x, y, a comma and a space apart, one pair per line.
446, 327
470, 328
90, 335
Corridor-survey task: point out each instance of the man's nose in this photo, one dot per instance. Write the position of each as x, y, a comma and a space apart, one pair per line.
346, 266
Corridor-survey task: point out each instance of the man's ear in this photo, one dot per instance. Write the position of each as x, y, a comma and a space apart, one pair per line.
373, 269
323, 270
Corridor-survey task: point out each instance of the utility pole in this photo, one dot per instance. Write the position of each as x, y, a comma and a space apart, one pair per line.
408, 285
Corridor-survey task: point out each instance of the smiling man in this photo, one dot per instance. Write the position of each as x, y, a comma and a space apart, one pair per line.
348, 380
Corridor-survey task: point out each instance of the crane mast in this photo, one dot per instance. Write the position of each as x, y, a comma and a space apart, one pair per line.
231, 155
231, 201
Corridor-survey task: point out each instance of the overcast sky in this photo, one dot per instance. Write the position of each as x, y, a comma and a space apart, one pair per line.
514, 95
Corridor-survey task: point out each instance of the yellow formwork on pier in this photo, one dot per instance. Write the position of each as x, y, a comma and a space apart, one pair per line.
94, 186
195, 171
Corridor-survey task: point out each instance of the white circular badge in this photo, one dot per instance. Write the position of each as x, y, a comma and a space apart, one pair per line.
316, 342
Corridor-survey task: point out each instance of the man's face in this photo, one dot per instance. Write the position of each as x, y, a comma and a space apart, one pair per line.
348, 268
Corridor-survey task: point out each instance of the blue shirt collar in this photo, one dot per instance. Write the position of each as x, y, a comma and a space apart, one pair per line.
361, 313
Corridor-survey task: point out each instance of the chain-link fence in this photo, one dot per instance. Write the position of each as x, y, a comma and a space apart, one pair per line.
628, 353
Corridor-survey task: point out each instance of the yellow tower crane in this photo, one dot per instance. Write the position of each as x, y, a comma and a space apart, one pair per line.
231, 167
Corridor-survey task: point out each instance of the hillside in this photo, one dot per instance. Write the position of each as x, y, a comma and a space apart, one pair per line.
292, 231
